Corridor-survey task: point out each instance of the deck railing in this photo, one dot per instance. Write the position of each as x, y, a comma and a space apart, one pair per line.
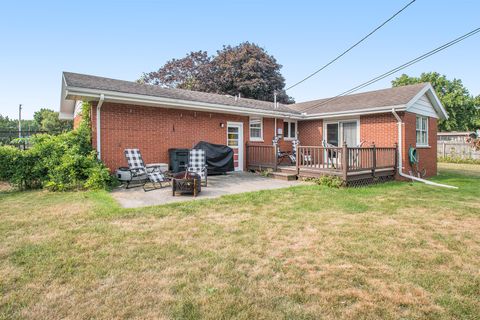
342, 160
319, 158
335, 160
261, 156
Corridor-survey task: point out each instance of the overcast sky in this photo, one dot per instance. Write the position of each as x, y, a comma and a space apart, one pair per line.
122, 39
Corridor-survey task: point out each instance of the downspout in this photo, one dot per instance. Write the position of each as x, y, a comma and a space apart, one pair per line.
400, 158
275, 132
99, 144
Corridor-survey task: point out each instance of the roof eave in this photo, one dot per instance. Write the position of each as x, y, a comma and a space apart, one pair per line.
120, 97
351, 113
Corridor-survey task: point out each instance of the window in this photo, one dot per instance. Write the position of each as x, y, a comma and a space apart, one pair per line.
256, 129
289, 129
422, 131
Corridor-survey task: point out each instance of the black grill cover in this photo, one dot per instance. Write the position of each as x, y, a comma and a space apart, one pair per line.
219, 157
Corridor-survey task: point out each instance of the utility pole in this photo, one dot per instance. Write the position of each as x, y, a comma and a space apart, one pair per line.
20, 120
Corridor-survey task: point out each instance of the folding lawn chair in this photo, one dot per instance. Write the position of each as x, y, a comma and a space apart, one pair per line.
137, 169
197, 163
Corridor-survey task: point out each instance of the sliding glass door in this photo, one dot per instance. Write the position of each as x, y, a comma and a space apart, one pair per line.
349, 133
332, 134
339, 131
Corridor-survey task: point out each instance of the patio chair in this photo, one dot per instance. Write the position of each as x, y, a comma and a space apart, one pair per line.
137, 169
331, 154
293, 155
280, 154
197, 163
356, 154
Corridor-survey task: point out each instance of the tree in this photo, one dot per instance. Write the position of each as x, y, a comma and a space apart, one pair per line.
459, 103
191, 73
47, 120
246, 69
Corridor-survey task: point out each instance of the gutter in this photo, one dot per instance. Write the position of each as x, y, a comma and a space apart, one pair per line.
99, 144
189, 105
400, 158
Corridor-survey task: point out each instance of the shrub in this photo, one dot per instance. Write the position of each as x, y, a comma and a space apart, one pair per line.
329, 181
62, 162
8, 156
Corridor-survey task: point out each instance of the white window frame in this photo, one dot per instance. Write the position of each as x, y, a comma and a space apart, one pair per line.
250, 129
290, 138
421, 129
340, 129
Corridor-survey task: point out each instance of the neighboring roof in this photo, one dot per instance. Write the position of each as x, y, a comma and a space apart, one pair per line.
86, 87
99, 83
390, 97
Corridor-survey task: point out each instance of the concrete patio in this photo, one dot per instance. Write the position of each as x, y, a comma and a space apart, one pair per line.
218, 186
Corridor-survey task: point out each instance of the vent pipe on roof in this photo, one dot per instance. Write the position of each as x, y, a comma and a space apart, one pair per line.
275, 99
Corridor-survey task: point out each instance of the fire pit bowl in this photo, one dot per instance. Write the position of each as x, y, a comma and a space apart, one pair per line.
186, 183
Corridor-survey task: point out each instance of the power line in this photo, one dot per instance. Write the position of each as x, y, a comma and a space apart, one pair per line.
353, 46
394, 70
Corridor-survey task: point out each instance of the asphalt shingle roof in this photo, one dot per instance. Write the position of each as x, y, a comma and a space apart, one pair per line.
101, 83
371, 99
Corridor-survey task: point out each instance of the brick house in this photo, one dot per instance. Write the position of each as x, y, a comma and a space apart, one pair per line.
154, 119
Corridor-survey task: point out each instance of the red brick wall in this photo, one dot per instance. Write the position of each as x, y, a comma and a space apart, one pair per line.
269, 133
310, 132
76, 121
382, 129
155, 130
427, 155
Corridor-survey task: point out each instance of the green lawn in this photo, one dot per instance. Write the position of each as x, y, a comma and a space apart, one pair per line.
397, 250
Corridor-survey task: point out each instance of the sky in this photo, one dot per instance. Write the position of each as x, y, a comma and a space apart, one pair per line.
122, 39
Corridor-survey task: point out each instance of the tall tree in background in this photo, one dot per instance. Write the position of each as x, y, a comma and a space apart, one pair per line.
246, 69
459, 103
47, 120
192, 73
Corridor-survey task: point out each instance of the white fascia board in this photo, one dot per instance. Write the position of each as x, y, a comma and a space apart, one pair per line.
112, 96
67, 107
437, 105
65, 116
359, 112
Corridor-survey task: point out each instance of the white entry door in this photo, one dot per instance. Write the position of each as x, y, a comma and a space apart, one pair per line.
235, 141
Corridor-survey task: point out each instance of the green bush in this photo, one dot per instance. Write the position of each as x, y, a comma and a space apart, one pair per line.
59, 163
328, 181
458, 160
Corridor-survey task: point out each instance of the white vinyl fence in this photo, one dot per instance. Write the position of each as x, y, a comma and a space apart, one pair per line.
460, 150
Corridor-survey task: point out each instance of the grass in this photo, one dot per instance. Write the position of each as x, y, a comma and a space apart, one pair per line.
392, 251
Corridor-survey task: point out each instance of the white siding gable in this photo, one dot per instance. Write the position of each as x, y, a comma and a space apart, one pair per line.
423, 107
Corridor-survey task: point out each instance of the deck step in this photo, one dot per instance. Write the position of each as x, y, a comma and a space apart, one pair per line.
283, 176
291, 170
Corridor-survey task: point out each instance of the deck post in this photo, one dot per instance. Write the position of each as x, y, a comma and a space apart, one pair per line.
374, 159
297, 165
246, 156
344, 161
275, 160
396, 156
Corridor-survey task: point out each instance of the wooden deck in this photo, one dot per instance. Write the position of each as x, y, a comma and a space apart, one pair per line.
355, 166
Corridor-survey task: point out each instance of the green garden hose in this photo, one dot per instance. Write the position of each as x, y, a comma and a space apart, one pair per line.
413, 156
